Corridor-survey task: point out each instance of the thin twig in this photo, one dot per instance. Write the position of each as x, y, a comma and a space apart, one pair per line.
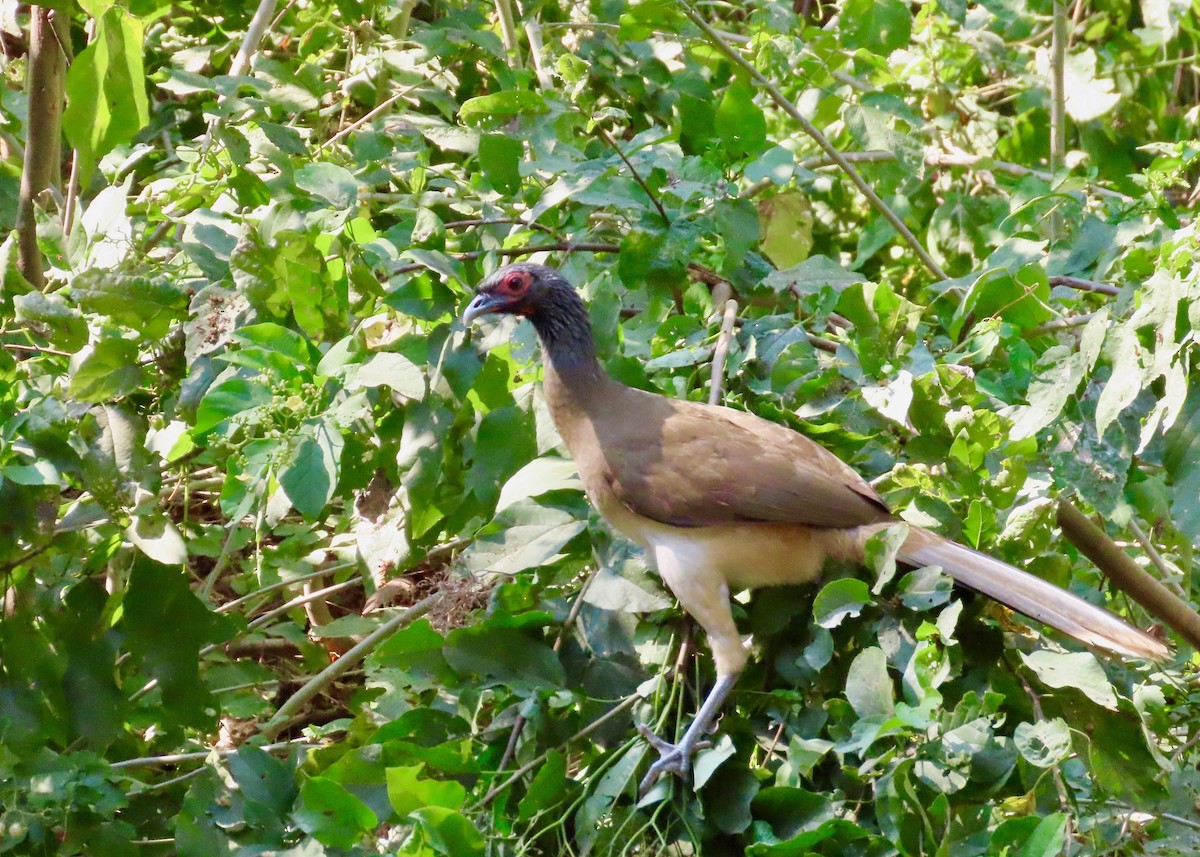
291, 581
508, 32
241, 61
367, 117
254, 34
519, 726
662, 212
942, 159
200, 756
1064, 800
533, 32
1059, 324
301, 600
1058, 102
494, 221
1084, 285
1168, 576
625, 704
37, 349
1127, 575
342, 665
821, 140
528, 250
721, 351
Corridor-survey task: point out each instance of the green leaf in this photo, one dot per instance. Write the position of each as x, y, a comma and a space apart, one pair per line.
1047, 838
106, 90
306, 290
505, 442
330, 182
312, 471
547, 789
1079, 670
740, 122
1181, 459
263, 779
114, 458
1060, 369
275, 338
332, 814
738, 224
500, 159
792, 811
868, 687
1045, 743
110, 371
228, 399
812, 275
538, 477
608, 590
707, 761
839, 599
1123, 350
880, 554
500, 107
787, 224
450, 832
165, 626
925, 588
1122, 763
143, 303
157, 537
395, 371
409, 792
1021, 298
503, 655
656, 257
64, 325
876, 26
608, 790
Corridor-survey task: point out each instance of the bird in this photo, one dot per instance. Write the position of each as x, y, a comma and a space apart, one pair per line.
722, 500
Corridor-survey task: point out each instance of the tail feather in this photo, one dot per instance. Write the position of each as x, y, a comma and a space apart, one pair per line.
1031, 595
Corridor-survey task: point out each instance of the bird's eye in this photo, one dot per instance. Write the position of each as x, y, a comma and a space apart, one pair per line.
514, 283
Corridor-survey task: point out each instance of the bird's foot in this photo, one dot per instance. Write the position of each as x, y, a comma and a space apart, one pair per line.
673, 758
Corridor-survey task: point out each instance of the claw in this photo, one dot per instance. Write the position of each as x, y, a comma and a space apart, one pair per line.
673, 758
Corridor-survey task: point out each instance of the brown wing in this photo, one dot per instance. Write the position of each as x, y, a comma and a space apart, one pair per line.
689, 464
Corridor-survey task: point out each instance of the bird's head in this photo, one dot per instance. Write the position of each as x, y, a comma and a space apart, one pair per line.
543, 296
522, 289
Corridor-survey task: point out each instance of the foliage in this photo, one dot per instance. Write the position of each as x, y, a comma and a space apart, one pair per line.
244, 403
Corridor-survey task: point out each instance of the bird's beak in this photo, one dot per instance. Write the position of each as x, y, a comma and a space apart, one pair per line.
481, 304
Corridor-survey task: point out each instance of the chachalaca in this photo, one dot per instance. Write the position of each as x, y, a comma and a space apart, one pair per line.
721, 499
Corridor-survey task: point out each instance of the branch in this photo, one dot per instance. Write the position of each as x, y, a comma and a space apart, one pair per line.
254, 34
821, 140
636, 177
943, 159
508, 32
1127, 575
722, 349
342, 665
625, 704
40, 170
200, 756
1085, 285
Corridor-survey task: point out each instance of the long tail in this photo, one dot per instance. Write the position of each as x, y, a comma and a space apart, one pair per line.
1031, 595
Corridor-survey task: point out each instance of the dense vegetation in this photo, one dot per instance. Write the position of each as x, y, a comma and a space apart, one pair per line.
293, 564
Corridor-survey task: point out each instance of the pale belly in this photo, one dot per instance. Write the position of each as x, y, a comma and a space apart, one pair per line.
744, 555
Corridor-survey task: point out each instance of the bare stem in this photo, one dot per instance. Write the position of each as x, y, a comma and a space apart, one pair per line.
820, 139
721, 351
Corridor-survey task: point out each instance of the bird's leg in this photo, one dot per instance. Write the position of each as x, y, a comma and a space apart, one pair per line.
703, 593
677, 758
